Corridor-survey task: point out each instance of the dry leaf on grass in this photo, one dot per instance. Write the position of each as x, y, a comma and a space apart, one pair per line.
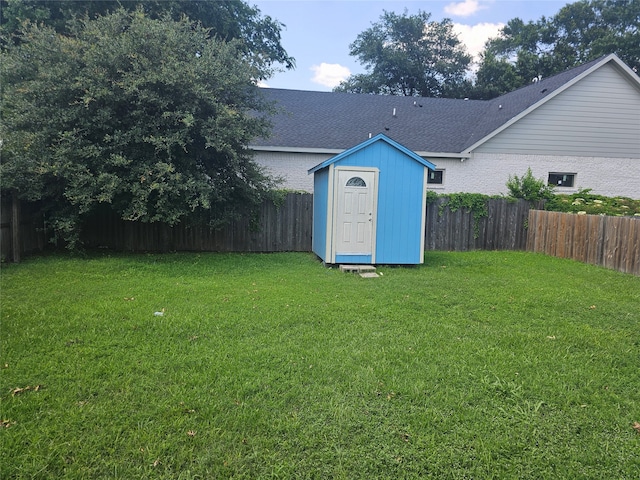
18, 390
191, 433
6, 423
636, 426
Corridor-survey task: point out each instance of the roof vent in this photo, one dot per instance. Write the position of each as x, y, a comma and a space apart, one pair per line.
499, 107
394, 112
543, 90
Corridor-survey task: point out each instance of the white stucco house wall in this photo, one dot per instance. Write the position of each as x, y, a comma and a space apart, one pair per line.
578, 129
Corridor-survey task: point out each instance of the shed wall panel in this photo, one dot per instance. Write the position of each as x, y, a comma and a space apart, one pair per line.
320, 220
400, 191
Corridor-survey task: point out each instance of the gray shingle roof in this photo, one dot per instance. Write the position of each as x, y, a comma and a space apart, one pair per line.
328, 120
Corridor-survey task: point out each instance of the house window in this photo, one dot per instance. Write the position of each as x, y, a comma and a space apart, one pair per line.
356, 182
435, 177
562, 179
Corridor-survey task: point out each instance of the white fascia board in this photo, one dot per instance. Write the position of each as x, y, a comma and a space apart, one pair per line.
444, 155
610, 58
336, 151
332, 151
625, 70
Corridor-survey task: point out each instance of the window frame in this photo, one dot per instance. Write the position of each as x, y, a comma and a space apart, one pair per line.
358, 182
435, 184
558, 178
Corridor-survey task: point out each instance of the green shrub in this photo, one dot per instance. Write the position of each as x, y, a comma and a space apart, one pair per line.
529, 188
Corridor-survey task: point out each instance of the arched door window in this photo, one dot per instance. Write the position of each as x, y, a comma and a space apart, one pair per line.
356, 182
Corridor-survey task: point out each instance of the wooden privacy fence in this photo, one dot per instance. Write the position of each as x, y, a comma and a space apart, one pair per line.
279, 228
28, 237
611, 242
287, 227
503, 228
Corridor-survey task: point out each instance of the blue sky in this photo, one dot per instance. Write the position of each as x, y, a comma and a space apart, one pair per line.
318, 32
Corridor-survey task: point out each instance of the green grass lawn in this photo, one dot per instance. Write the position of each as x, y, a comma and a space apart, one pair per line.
473, 365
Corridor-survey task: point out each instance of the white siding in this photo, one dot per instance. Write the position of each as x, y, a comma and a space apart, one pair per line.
597, 117
292, 167
488, 173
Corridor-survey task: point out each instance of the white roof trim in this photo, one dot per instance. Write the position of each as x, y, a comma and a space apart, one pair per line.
609, 58
444, 154
335, 151
381, 137
261, 148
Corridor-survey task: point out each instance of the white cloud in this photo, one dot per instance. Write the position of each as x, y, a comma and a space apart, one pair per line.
464, 9
329, 74
475, 36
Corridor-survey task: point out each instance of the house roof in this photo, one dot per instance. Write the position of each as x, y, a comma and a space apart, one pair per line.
378, 138
332, 122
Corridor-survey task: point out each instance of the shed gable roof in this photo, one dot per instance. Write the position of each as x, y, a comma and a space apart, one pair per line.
378, 138
333, 122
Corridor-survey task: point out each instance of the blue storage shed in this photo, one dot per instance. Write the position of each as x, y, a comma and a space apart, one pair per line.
369, 205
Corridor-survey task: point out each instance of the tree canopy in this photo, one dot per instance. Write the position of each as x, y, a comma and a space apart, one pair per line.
150, 117
227, 20
408, 55
411, 55
579, 32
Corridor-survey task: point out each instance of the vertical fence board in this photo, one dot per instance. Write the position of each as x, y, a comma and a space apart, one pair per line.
504, 228
30, 235
610, 242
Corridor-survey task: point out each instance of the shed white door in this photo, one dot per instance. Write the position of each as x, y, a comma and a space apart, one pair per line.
355, 215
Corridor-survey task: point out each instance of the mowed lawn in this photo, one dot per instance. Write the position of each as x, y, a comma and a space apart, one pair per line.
474, 365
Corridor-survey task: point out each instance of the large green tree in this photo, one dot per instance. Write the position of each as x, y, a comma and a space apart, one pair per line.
579, 32
227, 20
494, 77
150, 118
408, 55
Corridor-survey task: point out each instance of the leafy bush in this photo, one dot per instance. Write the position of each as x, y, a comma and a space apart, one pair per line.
585, 202
529, 188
